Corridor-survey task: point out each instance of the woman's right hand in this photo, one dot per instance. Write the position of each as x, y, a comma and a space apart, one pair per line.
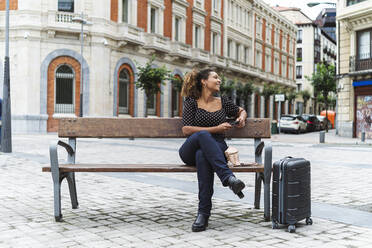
223, 127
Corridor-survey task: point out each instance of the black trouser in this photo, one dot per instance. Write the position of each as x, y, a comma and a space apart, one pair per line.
207, 153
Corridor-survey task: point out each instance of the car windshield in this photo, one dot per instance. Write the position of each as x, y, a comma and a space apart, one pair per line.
288, 118
306, 117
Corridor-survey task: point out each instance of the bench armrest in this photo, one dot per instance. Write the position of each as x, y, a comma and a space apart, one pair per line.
53, 147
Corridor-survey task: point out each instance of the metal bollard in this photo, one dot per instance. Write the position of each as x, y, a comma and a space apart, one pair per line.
363, 136
321, 136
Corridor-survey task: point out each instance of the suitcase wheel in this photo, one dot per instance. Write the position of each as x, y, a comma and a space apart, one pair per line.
309, 221
275, 225
291, 228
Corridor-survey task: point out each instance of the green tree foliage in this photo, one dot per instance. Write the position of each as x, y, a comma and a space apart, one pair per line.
269, 90
291, 95
305, 97
227, 87
177, 83
150, 78
244, 92
324, 81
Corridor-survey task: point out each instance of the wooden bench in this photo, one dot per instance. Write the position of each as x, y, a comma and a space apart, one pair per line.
73, 128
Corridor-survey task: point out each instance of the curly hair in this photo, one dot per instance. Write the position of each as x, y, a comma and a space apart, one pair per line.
192, 86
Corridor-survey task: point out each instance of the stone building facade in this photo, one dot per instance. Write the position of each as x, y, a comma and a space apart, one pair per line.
313, 46
354, 105
242, 39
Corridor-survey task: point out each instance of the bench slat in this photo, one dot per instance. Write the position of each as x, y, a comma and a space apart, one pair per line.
148, 128
144, 168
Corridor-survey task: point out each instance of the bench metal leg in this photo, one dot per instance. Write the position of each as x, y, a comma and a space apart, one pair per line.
57, 179
257, 191
72, 188
267, 180
57, 201
258, 178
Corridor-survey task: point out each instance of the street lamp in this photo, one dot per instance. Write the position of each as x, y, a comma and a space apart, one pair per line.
6, 129
83, 22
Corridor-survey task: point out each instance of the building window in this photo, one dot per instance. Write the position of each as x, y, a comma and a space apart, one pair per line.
364, 44
268, 33
284, 43
258, 60
151, 105
284, 68
267, 62
197, 37
299, 72
153, 20
124, 14
214, 43
277, 37
177, 28
237, 53
229, 44
364, 48
299, 36
175, 99
299, 54
66, 5
216, 6
64, 90
276, 66
199, 4
246, 55
124, 92
352, 2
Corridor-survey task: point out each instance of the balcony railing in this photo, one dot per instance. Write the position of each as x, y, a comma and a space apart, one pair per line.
357, 64
65, 17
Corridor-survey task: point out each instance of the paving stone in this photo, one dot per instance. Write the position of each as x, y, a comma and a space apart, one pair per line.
117, 212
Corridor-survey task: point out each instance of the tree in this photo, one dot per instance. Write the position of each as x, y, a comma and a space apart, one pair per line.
324, 82
244, 92
150, 78
291, 95
227, 87
267, 91
305, 97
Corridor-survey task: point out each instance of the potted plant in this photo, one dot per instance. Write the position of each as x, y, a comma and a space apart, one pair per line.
150, 79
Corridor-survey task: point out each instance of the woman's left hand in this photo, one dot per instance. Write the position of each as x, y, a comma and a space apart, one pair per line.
241, 122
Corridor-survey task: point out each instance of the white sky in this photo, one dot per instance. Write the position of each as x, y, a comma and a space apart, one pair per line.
310, 12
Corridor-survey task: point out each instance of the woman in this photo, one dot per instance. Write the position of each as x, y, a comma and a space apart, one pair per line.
204, 120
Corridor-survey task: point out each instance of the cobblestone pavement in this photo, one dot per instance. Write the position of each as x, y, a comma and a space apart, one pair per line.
157, 210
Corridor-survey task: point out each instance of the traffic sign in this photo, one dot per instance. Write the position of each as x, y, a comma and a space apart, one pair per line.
279, 98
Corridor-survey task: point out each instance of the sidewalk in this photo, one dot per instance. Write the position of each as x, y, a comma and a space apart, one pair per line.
313, 138
157, 210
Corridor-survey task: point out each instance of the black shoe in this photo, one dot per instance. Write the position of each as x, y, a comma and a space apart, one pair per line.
236, 186
200, 223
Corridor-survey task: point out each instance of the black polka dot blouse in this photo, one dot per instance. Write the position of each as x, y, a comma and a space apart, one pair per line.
194, 116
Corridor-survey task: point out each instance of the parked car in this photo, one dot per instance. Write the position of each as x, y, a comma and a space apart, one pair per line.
324, 122
292, 123
312, 123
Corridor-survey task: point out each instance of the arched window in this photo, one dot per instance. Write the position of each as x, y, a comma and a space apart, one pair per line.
176, 96
151, 105
124, 91
64, 90
66, 5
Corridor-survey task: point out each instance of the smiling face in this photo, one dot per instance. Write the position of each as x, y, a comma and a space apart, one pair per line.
213, 82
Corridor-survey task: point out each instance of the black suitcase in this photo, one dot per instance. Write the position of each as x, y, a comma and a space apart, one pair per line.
291, 201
